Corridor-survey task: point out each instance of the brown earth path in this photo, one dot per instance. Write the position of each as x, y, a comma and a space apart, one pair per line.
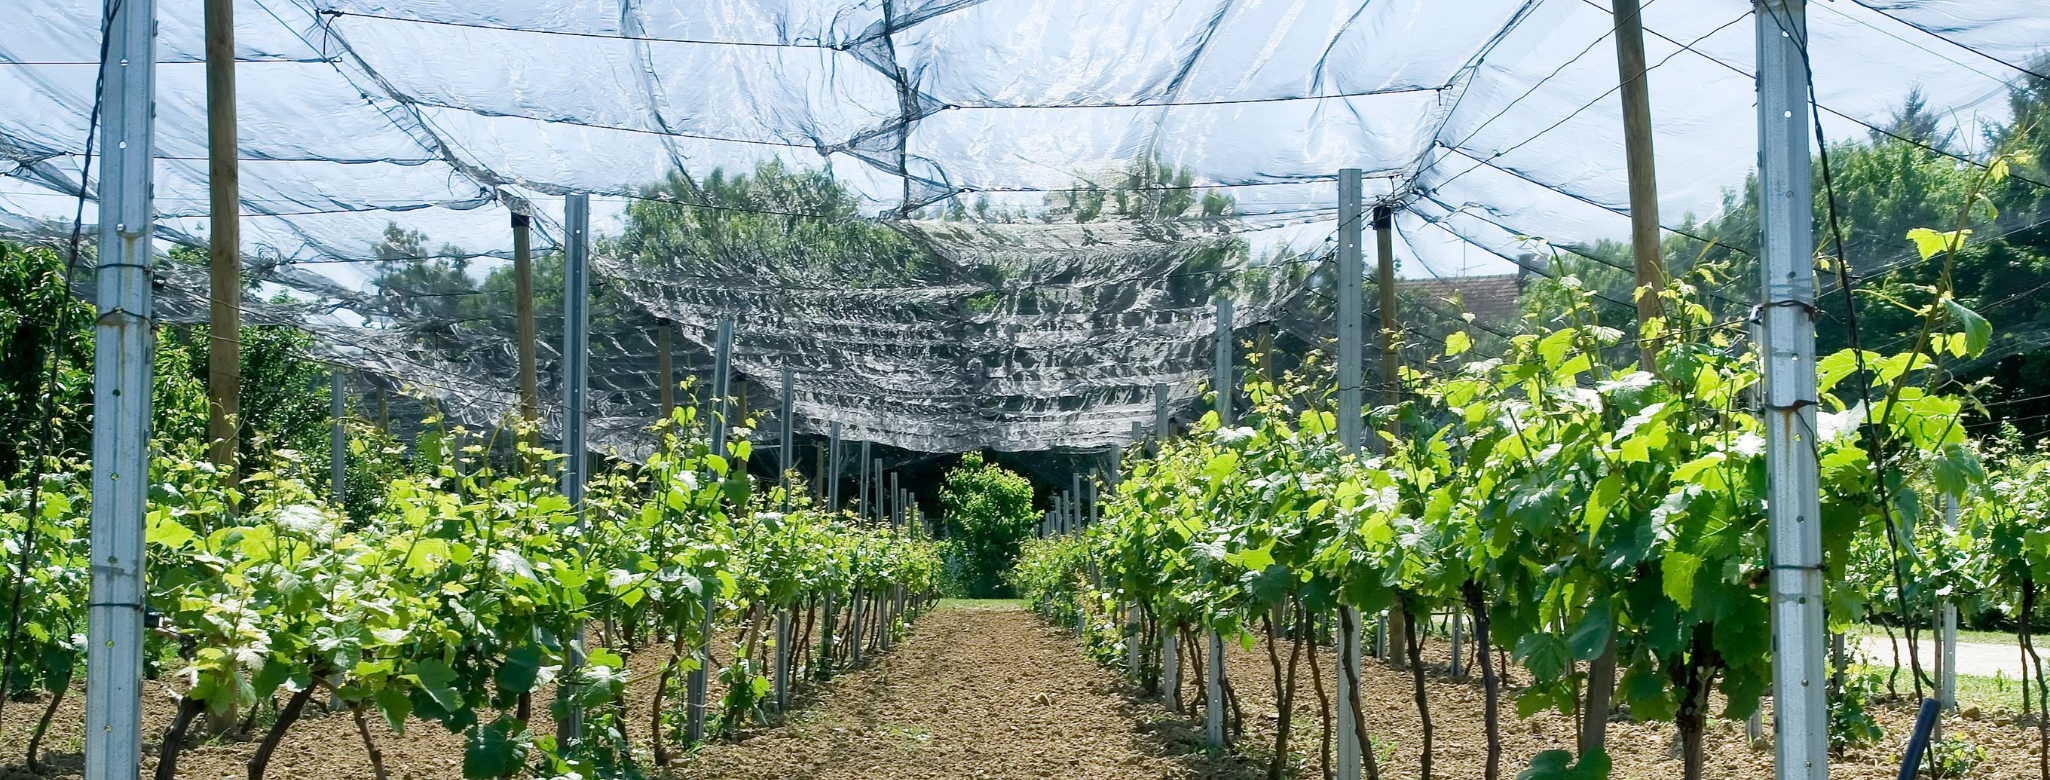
987, 693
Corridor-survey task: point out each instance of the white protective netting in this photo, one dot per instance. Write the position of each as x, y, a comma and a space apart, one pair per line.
1004, 308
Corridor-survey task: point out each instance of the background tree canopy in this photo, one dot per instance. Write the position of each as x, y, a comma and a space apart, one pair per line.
988, 509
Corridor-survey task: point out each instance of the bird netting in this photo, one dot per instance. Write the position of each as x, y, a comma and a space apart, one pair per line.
960, 223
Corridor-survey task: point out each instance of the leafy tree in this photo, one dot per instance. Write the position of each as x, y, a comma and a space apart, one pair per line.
989, 508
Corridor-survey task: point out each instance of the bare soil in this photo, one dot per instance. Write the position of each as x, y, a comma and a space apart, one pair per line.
993, 693
1639, 750
988, 693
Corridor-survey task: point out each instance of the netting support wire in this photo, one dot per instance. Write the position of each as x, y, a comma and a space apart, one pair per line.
1221, 384
1786, 240
1351, 293
786, 460
338, 439
121, 396
576, 369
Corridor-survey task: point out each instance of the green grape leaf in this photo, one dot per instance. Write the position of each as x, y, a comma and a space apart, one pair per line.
1544, 655
1677, 570
1930, 242
166, 532
1591, 637
1457, 343
1559, 765
396, 706
434, 676
521, 668
1977, 331
492, 751
1606, 491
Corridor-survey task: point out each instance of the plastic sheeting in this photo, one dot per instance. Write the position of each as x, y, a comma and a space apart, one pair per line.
1485, 122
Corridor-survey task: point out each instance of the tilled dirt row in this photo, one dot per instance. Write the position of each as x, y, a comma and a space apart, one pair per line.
1640, 751
974, 693
320, 745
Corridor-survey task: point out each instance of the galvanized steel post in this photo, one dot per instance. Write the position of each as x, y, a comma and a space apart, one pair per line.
576, 358
1350, 291
1786, 241
122, 369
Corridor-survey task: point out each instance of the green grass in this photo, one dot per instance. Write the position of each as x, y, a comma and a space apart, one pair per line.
1965, 635
1990, 693
982, 603
1999, 692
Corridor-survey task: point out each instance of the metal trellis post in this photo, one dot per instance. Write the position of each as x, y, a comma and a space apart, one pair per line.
1946, 629
1351, 288
338, 439
787, 459
1786, 212
861, 502
576, 358
833, 467
722, 385
122, 366
1221, 383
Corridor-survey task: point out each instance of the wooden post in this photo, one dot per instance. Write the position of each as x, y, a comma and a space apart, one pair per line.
529, 334
1397, 635
338, 440
224, 244
665, 365
786, 459
1650, 280
818, 466
1644, 198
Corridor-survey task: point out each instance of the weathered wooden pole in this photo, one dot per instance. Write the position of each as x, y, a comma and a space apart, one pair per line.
224, 244
529, 333
1644, 197
787, 416
1396, 633
665, 367
337, 439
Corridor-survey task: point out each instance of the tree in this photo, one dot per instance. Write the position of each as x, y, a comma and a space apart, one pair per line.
988, 508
